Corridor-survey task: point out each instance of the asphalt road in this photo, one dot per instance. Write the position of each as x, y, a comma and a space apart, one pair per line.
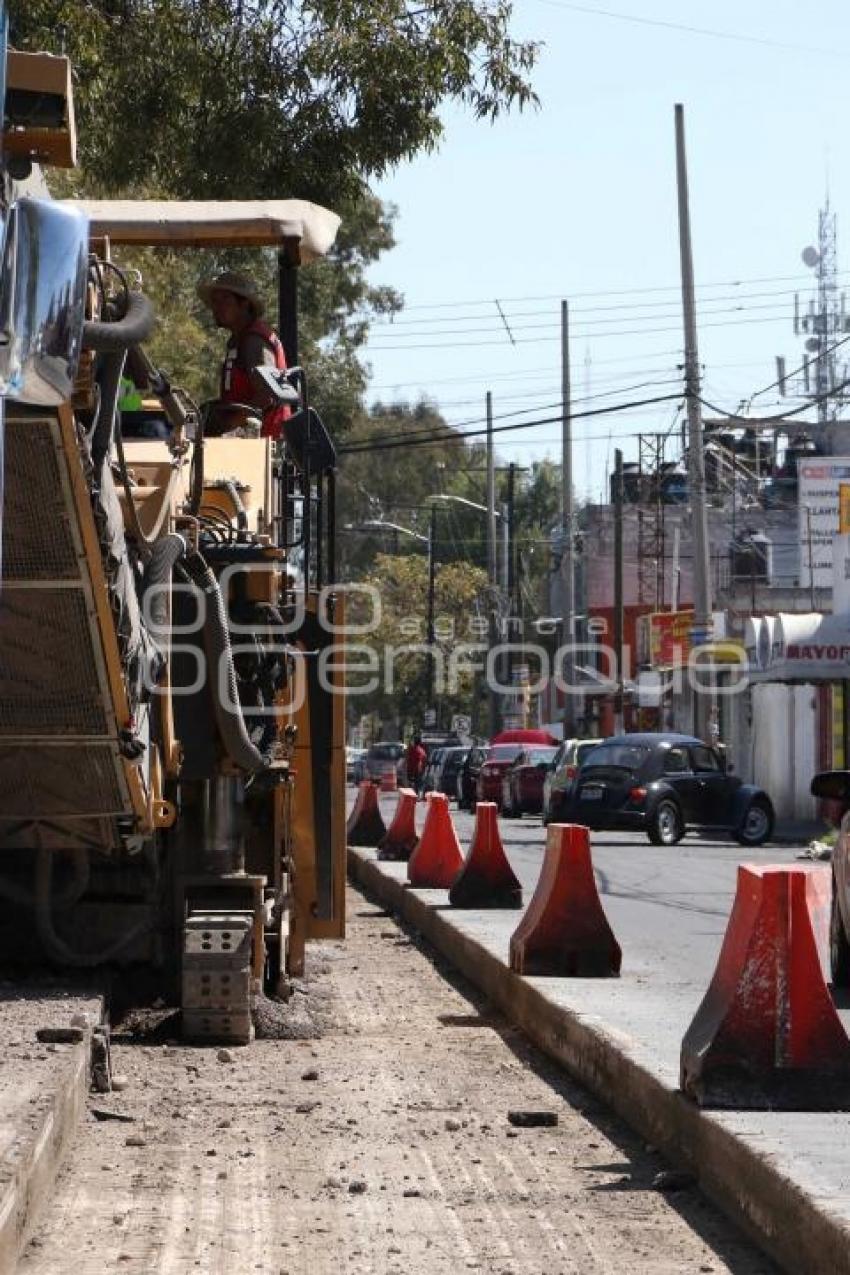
667, 906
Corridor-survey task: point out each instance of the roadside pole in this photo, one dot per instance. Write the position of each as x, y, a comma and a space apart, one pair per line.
432, 553
567, 568
618, 590
492, 581
510, 574
696, 466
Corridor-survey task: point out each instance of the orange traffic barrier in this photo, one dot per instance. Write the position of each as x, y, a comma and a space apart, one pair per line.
486, 879
389, 780
365, 826
564, 930
400, 839
437, 859
767, 1033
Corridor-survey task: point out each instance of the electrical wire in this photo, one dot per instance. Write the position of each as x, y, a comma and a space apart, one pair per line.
798, 370
735, 37
409, 433
579, 311
617, 292
450, 435
536, 340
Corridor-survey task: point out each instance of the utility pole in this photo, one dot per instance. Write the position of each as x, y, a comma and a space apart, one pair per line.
492, 581
696, 466
432, 554
618, 589
567, 565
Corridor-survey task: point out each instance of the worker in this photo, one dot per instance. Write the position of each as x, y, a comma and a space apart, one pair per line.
236, 305
415, 760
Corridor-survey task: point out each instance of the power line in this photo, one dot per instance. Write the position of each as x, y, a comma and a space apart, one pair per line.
406, 434
798, 370
395, 323
597, 336
615, 292
736, 37
450, 435
491, 327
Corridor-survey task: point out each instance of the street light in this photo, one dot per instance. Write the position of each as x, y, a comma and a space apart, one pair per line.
378, 524
493, 581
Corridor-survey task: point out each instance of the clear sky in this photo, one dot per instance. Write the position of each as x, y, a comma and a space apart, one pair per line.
578, 200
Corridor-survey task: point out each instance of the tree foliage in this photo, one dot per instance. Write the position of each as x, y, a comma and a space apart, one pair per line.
401, 584
226, 98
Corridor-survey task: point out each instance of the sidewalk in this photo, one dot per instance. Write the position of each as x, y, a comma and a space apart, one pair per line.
43, 1089
783, 1176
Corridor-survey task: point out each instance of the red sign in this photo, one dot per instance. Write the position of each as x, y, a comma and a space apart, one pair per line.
670, 637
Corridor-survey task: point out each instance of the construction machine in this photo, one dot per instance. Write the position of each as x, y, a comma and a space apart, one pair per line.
172, 771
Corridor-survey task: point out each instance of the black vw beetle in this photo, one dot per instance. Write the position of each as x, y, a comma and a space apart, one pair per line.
664, 784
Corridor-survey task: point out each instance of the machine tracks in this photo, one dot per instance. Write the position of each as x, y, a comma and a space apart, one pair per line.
379, 1142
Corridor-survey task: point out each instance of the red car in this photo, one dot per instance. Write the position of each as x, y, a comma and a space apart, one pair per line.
522, 782
499, 757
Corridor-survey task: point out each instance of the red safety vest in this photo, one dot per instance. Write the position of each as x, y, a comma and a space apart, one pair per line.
236, 384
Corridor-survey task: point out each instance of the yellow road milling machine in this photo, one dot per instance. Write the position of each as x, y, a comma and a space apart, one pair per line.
171, 708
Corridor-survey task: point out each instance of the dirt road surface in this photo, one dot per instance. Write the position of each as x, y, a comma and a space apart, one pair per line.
379, 1143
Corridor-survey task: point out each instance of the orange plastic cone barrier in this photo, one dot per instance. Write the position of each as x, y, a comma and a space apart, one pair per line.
767, 1033
365, 826
389, 781
486, 879
400, 839
564, 930
437, 859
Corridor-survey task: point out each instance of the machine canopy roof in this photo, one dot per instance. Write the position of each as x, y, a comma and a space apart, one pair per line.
251, 223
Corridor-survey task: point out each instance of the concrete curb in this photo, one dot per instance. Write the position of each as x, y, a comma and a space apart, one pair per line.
791, 1224
33, 1159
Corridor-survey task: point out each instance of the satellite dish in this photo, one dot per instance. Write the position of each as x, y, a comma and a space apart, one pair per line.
810, 256
813, 344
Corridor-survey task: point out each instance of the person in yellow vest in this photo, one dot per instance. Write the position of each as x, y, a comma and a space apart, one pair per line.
135, 422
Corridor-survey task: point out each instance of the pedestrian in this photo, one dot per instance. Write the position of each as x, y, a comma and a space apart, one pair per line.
236, 305
415, 760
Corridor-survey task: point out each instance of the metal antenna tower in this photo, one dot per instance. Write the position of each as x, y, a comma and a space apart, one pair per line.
822, 323
651, 541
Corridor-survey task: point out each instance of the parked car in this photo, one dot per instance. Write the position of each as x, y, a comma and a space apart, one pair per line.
450, 764
382, 757
558, 783
467, 779
499, 757
353, 758
834, 787
522, 782
663, 785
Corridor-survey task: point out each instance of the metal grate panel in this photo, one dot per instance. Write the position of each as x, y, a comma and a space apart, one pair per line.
49, 682
37, 540
46, 780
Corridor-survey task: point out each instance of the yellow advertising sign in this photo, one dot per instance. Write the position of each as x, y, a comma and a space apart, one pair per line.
843, 508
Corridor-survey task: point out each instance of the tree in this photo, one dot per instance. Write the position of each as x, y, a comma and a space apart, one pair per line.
401, 585
226, 98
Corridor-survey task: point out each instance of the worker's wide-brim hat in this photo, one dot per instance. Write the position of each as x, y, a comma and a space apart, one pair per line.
241, 285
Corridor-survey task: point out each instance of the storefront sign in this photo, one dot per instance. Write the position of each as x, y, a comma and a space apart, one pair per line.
818, 496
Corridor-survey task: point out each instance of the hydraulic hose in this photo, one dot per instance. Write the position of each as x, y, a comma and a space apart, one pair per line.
231, 724
241, 513
135, 327
110, 373
167, 551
